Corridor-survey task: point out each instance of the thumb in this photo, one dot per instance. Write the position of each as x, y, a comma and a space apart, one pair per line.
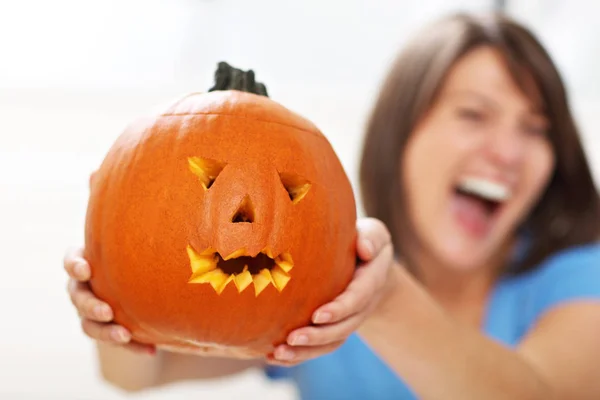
373, 236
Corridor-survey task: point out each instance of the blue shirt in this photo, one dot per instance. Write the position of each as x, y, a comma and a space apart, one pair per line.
353, 371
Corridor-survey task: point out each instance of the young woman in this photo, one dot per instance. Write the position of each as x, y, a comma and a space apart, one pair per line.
481, 273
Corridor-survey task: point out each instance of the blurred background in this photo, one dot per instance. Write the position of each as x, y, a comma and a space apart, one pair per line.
74, 73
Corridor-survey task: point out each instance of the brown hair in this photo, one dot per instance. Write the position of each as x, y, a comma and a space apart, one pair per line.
568, 214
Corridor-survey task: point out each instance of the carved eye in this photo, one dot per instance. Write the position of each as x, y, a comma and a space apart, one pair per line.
206, 170
295, 185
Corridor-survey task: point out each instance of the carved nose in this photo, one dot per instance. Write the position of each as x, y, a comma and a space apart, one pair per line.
244, 212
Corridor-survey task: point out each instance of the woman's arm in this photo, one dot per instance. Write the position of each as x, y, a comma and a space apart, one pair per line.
133, 366
437, 356
133, 371
442, 359
179, 367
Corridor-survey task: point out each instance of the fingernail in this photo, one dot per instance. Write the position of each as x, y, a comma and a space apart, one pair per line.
299, 340
102, 311
80, 270
369, 246
321, 317
285, 354
120, 335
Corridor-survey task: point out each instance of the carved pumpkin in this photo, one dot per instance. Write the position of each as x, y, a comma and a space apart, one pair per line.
224, 221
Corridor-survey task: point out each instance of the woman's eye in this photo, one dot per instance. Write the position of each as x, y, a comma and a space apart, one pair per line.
470, 114
535, 127
536, 130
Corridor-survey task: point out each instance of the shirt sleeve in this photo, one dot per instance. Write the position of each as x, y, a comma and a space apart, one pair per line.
569, 276
276, 372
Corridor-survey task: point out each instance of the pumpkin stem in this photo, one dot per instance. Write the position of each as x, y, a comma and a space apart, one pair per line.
231, 78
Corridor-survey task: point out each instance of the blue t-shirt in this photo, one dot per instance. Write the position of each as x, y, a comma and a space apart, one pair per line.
353, 371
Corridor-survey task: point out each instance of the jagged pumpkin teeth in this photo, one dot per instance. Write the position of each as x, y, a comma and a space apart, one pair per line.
220, 288
235, 254
201, 266
268, 252
280, 277
284, 264
208, 252
216, 278
262, 280
201, 263
205, 270
243, 279
286, 257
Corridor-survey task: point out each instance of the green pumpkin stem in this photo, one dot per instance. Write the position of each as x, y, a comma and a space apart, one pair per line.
231, 78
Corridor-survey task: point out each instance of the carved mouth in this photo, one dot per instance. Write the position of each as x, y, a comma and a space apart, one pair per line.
210, 267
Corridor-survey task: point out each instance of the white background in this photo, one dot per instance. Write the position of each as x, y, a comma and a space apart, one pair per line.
74, 73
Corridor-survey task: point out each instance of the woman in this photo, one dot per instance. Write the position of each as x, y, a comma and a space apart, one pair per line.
487, 284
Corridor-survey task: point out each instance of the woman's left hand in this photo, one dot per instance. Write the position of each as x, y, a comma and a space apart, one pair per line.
335, 321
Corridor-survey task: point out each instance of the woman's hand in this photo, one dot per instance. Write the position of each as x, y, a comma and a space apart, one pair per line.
337, 320
96, 316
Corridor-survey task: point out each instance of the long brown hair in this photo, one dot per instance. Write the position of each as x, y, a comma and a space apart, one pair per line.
568, 213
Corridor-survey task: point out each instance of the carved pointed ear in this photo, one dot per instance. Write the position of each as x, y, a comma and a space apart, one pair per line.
206, 170
296, 186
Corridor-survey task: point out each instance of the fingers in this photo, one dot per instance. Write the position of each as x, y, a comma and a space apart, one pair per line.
285, 355
115, 335
338, 319
140, 347
373, 236
325, 335
359, 293
76, 266
87, 304
96, 315
105, 332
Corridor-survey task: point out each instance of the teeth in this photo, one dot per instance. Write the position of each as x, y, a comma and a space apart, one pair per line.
236, 254
201, 262
217, 279
205, 270
243, 279
268, 252
280, 277
285, 262
262, 280
485, 188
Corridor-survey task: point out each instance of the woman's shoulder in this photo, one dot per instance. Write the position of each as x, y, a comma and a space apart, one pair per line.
571, 274
572, 263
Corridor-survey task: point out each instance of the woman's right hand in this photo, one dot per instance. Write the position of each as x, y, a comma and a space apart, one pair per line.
96, 315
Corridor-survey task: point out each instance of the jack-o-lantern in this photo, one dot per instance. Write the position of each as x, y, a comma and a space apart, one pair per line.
224, 221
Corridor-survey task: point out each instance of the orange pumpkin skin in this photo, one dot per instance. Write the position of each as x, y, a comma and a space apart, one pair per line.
147, 209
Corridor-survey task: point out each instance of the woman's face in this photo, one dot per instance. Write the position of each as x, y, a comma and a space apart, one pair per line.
476, 164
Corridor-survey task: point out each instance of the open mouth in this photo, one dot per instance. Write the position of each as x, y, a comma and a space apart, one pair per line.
488, 195
489, 206
477, 203
239, 268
